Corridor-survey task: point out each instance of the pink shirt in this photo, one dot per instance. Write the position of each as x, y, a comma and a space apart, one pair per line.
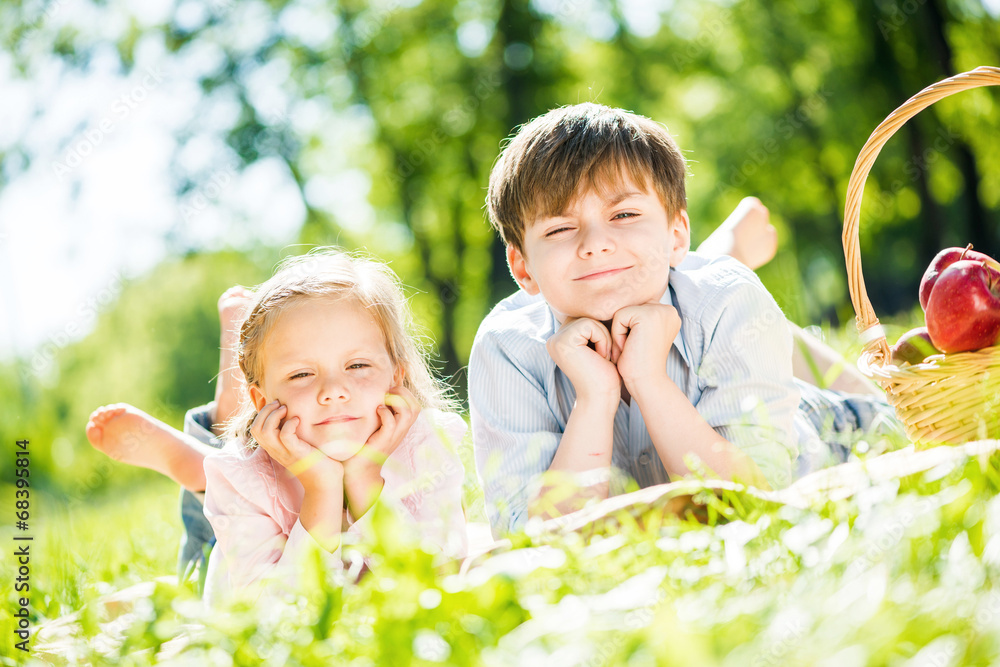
253, 505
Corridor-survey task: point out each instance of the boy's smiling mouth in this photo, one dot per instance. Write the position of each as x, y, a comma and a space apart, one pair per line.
603, 273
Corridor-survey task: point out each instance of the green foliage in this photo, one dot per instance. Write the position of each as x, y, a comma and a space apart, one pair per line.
410, 102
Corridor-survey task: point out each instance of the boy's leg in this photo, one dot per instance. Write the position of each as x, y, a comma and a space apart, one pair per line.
206, 423
198, 535
829, 423
127, 434
229, 387
747, 235
812, 357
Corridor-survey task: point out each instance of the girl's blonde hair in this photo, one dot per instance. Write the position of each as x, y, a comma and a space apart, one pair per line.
332, 272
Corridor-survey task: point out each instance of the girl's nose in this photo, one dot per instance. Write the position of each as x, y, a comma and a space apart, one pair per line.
334, 389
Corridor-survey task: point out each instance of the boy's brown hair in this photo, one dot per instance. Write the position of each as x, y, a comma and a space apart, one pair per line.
542, 168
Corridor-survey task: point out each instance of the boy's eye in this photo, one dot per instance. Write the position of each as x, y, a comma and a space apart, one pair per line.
623, 215
553, 232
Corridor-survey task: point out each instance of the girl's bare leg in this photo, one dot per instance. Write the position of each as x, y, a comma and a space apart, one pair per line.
747, 235
230, 385
127, 434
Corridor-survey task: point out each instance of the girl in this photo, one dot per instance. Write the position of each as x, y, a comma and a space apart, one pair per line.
341, 411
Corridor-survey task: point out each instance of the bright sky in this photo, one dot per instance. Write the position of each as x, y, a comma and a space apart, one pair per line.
98, 200
99, 206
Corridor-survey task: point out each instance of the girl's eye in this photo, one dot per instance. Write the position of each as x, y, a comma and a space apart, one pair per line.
299, 375
359, 364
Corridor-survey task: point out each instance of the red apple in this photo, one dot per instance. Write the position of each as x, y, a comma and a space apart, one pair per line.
942, 261
963, 312
913, 347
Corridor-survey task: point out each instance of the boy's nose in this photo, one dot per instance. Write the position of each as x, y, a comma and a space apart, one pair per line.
595, 240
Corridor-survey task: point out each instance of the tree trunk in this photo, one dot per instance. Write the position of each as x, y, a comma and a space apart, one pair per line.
516, 25
979, 233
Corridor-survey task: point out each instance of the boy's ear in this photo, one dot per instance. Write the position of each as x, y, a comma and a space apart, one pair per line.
257, 397
680, 238
519, 269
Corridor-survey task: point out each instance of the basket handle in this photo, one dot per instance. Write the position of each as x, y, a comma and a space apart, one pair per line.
869, 330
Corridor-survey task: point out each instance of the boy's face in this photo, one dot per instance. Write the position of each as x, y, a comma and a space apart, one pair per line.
608, 250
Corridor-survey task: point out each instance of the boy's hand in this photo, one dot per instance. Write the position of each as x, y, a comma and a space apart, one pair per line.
591, 370
395, 417
276, 435
641, 339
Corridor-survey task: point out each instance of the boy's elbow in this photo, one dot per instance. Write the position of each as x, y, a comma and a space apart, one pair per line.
766, 460
775, 475
561, 494
742, 469
756, 478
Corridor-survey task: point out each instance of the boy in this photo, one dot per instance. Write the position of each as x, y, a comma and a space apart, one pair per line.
622, 350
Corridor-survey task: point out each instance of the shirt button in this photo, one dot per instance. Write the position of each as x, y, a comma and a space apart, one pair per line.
644, 459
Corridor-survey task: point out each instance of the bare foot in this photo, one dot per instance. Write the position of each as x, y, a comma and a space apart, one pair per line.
232, 311
747, 235
99, 418
127, 434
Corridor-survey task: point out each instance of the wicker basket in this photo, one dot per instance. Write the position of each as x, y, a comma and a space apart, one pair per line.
948, 399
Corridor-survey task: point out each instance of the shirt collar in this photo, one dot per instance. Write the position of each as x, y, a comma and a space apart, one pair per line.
670, 298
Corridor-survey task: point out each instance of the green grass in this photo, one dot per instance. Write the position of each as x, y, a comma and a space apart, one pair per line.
88, 546
900, 574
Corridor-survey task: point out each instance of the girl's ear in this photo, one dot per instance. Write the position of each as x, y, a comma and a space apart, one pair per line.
397, 377
257, 397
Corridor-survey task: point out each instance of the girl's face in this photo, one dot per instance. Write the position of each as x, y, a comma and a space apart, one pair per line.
326, 361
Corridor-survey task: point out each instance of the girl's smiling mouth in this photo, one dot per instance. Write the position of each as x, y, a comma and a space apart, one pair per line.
336, 420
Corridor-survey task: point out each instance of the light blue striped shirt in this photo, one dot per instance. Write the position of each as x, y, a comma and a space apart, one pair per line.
732, 359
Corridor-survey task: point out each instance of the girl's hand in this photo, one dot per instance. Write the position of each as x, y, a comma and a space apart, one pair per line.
363, 480
276, 435
395, 417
